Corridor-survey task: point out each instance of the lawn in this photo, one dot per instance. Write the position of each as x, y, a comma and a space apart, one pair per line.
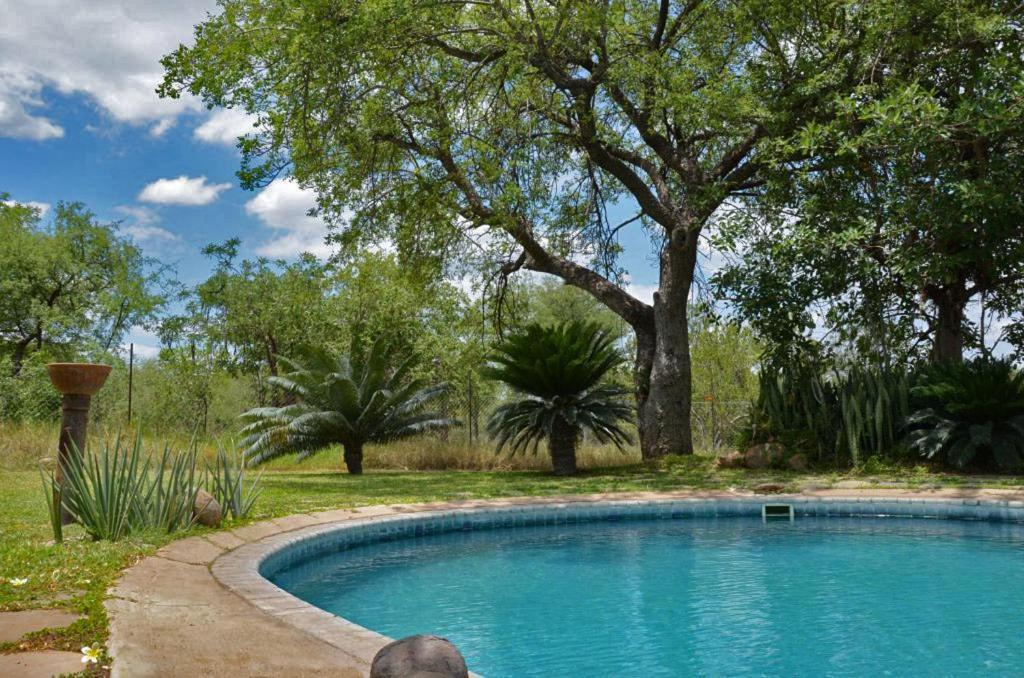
77, 573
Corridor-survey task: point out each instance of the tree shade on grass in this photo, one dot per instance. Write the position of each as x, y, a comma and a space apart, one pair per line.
559, 370
347, 400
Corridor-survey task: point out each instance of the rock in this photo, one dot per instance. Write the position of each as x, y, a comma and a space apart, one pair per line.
763, 455
797, 462
13, 625
769, 488
43, 663
730, 460
206, 509
419, 657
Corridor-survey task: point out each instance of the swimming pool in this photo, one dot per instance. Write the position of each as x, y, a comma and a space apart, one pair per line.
686, 595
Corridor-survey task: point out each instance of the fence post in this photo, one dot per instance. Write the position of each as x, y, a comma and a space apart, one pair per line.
131, 374
471, 412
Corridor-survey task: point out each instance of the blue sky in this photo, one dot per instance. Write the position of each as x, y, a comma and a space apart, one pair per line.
79, 121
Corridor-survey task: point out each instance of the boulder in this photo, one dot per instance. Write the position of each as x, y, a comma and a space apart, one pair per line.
763, 455
797, 462
730, 460
419, 657
206, 509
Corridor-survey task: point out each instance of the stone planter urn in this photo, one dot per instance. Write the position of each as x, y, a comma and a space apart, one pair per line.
77, 383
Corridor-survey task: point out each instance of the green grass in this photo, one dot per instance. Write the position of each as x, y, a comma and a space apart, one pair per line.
76, 574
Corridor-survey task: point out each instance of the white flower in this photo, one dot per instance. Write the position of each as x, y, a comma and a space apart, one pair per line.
91, 655
18, 581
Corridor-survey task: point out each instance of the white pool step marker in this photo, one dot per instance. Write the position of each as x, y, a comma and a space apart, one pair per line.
777, 512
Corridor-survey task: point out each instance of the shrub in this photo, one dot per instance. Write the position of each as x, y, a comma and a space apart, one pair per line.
970, 415
842, 415
118, 491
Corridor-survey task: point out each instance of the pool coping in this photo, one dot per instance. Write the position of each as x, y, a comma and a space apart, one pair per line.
232, 561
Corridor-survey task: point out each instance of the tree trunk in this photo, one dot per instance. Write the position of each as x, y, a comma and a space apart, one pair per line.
663, 398
562, 446
354, 459
948, 342
18, 356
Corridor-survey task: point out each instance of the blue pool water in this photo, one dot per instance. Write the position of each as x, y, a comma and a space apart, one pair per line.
724, 596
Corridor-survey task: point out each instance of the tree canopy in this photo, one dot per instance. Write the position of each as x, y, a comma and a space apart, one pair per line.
509, 129
908, 206
71, 285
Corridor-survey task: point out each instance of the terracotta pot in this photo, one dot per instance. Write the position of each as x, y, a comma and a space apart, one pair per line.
78, 378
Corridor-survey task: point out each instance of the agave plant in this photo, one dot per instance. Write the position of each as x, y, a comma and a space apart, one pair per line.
343, 400
970, 414
850, 414
119, 491
230, 485
559, 372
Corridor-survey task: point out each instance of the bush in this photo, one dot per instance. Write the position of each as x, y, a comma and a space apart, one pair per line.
118, 491
970, 415
839, 415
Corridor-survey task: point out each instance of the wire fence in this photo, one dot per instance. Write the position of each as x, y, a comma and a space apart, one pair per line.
187, 400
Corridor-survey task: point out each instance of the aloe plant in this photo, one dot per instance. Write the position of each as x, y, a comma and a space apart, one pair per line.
168, 491
102, 490
231, 486
118, 491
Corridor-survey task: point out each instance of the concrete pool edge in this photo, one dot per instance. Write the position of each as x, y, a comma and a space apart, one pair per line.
201, 603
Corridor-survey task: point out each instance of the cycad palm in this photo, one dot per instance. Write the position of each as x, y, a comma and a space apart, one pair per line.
560, 371
341, 400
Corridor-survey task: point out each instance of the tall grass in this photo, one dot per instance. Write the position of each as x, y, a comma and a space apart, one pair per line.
23, 445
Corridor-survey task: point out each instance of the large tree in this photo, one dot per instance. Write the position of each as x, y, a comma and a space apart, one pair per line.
518, 124
249, 312
909, 204
73, 285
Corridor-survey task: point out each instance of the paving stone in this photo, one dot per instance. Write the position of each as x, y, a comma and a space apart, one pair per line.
14, 625
297, 521
194, 550
39, 664
174, 619
225, 540
256, 531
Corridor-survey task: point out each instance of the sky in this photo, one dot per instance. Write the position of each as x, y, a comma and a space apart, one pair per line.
80, 122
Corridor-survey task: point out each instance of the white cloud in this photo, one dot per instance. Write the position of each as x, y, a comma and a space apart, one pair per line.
141, 226
19, 97
225, 126
160, 129
147, 344
41, 207
284, 207
182, 190
139, 215
644, 293
108, 50
150, 234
